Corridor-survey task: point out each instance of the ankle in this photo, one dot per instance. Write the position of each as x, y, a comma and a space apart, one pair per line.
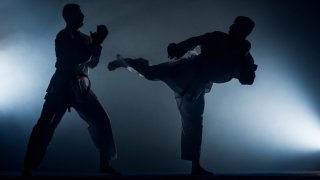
106, 168
196, 164
26, 171
104, 164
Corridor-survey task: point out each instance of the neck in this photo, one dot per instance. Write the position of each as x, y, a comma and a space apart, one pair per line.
235, 37
71, 27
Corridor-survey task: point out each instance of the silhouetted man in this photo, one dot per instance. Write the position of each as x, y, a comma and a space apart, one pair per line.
70, 87
223, 57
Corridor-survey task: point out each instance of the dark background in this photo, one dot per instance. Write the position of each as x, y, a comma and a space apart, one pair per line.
270, 126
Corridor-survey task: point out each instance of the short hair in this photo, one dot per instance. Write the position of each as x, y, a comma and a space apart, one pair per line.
246, 21
69, 9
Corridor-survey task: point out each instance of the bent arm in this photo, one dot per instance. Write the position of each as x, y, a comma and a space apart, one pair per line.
247, 71
95, 56
192, 42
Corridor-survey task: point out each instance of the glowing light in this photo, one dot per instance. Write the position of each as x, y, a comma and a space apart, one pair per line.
274, 113
13, 79
20, 80
289, 121
292, 121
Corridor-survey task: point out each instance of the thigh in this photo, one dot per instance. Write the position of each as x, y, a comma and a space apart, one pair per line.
92, 111
191, 111
53, 110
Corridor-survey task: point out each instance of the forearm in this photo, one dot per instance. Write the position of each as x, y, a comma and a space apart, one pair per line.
95, 57
190, 43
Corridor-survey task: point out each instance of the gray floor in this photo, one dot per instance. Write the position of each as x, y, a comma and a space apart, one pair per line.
240, 176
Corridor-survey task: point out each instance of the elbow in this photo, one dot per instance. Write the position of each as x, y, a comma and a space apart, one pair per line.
93, 63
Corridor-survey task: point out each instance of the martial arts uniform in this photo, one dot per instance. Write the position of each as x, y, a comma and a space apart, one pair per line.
70, 87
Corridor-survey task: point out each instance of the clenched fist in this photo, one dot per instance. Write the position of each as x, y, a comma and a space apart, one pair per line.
100, 35
174, 51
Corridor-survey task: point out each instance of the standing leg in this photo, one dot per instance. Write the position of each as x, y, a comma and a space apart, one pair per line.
191, 117
100, 131
41, 135
191, 137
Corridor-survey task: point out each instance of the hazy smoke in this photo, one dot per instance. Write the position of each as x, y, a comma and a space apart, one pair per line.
144, 116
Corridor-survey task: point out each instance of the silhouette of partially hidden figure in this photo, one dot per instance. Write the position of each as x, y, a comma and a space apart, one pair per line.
70, 87
223, 57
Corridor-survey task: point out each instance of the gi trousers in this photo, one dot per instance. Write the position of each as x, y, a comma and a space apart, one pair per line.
178, 76
54, 107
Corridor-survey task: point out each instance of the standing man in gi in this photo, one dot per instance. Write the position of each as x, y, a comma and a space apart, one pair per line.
223, 56
70, 87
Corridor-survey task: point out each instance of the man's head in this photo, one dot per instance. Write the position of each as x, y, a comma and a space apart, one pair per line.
72, 15
241, 27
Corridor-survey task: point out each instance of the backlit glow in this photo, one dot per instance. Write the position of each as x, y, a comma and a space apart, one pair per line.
274, 113
20, 77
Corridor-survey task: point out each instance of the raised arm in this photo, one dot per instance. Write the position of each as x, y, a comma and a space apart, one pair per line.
176, 51
97, 39
247, 72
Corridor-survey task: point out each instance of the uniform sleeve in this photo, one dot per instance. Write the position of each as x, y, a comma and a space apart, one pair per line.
95, 55
191, 43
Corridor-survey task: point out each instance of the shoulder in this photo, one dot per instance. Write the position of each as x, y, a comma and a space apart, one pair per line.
65, 35
62, 35
59, 34
218, 34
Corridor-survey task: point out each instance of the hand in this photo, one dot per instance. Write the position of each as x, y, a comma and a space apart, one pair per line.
99, 36
174, 51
